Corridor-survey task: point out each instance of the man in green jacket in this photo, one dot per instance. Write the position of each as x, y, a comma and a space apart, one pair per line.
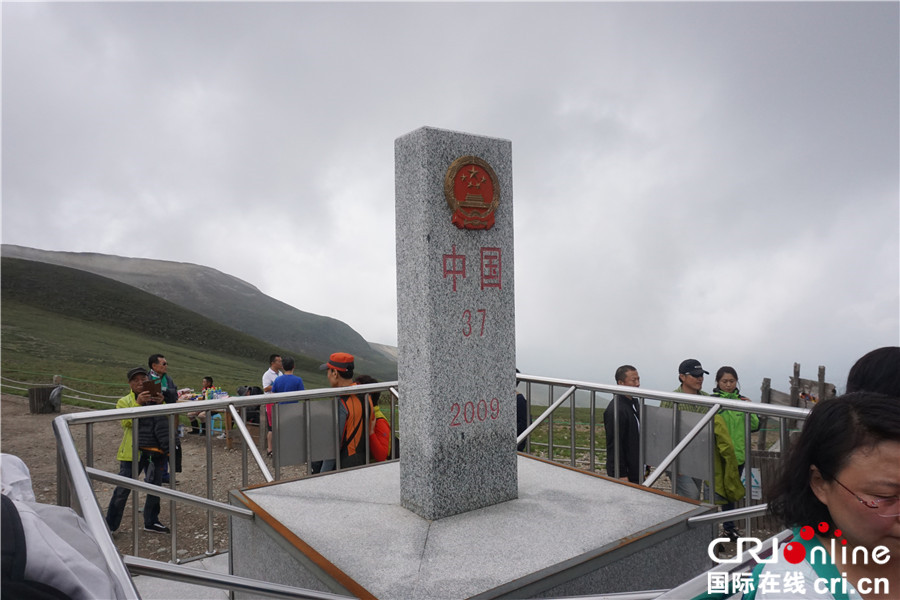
137, 397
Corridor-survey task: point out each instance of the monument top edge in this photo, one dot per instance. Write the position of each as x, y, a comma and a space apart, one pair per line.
427, 129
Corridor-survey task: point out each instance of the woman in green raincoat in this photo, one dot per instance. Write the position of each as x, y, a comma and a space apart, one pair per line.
727, 387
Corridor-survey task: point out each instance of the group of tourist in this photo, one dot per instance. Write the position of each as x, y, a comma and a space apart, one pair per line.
623, 426
154, 386
622, 422
353, 430
838, 489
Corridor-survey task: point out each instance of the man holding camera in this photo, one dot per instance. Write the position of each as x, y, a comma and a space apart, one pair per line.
153, 442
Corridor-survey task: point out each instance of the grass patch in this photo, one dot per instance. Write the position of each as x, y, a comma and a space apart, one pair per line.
92, 357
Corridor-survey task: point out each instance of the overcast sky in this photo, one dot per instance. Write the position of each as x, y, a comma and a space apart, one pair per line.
707, 180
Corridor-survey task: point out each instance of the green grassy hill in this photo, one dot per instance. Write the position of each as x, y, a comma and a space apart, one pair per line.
226, 300
91, 330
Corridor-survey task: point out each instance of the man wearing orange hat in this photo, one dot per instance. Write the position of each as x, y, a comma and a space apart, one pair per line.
351, 413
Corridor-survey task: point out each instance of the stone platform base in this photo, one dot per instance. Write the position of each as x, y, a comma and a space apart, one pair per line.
569, 533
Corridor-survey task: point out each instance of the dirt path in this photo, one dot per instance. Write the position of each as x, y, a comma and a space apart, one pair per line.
31, 438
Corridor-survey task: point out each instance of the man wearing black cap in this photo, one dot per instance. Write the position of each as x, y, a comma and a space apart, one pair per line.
138, 396
690, 376
351, 413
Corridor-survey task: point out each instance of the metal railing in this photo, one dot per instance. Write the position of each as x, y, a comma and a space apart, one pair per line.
74, 485
560, 391
74, 477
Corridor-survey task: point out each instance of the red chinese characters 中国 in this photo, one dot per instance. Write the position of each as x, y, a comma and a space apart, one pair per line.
453, 265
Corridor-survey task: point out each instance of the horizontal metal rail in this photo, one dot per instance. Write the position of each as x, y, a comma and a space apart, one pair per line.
153, 568
757, 510
220, 404
163, 492
771, 410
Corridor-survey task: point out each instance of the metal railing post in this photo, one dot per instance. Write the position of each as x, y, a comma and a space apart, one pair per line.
335, 411
247, 442
63, 493
528, 402
174, 421
307, 417
210, 525
572, 430
276, 441
642, 442
135, 474
617, 449
550, 402
676, 430
592, 440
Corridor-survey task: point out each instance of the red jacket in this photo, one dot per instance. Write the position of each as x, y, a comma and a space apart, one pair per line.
380, 440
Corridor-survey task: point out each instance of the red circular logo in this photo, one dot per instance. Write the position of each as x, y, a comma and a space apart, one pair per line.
794, 552
472, 191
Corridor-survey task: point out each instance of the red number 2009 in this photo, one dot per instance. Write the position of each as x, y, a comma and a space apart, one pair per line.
472, 411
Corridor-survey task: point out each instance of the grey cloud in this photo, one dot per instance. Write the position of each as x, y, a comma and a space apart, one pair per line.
708, 179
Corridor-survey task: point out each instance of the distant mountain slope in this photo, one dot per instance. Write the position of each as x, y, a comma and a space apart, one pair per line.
95, 299
227, 300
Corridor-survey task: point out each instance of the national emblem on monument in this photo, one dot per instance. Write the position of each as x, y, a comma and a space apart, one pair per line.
473, 193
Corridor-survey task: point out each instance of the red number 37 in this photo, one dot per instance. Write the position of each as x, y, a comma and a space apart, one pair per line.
467, 322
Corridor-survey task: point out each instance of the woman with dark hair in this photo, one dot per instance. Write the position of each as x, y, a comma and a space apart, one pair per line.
727, 387
840, 492
878, 371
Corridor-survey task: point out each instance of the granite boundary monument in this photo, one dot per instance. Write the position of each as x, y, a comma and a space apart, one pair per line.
456, 321
461, 510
